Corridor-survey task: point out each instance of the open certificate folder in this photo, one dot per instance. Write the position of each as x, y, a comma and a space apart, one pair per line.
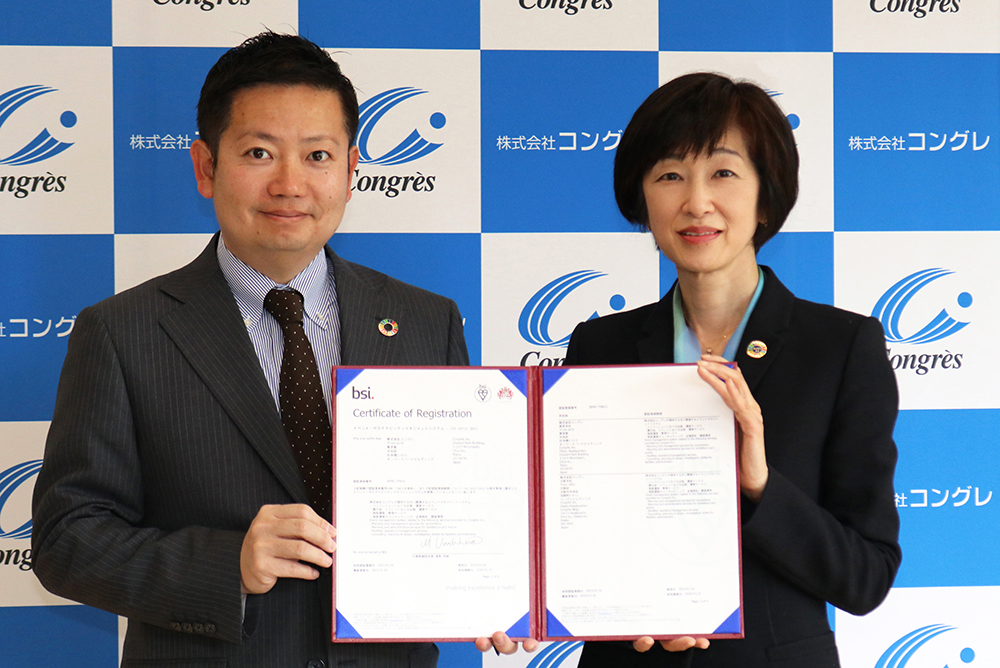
550, 503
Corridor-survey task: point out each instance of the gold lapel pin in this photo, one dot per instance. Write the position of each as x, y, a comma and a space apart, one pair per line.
757, 349
388, 327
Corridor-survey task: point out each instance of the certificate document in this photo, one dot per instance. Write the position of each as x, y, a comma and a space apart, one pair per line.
641, 532
431, 503
585, 503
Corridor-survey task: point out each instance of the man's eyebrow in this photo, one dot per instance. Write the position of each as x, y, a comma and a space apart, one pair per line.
266, 136
252, 134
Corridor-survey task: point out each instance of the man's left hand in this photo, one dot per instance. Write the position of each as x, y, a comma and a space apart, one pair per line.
503, 644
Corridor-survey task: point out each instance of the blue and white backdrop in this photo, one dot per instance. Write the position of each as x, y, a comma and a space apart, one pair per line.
512, 110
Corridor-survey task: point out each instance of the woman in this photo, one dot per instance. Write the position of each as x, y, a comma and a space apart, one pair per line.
710, 167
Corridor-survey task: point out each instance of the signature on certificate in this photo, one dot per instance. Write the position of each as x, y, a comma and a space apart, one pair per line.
438, 542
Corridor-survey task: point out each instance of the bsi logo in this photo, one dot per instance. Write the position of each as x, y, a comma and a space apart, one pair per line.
361, 394
536, 316
901, 651
891, 308
33, 150
919, 8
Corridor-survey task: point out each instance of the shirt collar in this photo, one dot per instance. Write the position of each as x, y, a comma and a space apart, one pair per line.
687, 347
250, 287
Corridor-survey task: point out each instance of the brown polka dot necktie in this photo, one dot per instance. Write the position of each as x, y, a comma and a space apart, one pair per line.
303, 409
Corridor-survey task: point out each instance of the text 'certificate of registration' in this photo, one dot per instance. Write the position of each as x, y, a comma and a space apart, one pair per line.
431, 503
641, 504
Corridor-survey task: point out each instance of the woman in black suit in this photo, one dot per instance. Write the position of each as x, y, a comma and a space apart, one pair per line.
710, 167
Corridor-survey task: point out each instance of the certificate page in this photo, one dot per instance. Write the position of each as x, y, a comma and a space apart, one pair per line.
641, 504
431, 503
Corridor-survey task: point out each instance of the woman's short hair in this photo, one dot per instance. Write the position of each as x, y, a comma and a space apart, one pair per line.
690, 115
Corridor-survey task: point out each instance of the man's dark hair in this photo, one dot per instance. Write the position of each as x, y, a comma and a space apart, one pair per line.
689, 116
270, 58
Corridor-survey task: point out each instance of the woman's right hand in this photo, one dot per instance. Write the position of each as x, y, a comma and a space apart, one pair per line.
733, 389
645, 643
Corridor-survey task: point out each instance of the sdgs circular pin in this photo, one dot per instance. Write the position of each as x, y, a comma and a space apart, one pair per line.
757, 349
388, 327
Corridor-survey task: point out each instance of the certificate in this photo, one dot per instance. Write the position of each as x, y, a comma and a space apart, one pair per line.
641, 531
431, 503
584, 503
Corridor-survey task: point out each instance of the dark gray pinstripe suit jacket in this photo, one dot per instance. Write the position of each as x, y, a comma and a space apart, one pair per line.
164, 444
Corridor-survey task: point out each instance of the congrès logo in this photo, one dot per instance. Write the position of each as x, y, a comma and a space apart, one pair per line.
890, 308
31, 150
568, 7
793, 119
44, 145
918, 8
533, 323
205, 5
556, 654
10, 481
901, 651
413, 147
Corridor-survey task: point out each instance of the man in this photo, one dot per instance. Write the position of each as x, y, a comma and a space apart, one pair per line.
170, 492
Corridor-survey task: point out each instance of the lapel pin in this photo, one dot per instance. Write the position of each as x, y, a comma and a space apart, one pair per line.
757, 349
388, 327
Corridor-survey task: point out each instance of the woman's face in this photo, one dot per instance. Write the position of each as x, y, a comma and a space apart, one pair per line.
703, 208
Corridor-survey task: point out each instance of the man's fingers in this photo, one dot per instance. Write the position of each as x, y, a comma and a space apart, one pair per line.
684, 643
298, 521
643, 644
503, 644
280, 538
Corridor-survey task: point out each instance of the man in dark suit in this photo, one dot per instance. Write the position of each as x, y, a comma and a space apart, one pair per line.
169, 492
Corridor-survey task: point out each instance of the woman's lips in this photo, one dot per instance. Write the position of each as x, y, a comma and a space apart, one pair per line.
699, 235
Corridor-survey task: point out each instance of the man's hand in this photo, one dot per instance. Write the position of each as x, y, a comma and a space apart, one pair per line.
281, 537
645, 643
503, 644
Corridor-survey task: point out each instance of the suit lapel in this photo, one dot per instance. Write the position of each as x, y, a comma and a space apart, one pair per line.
656, 343
209, 332
362, 307
768, 324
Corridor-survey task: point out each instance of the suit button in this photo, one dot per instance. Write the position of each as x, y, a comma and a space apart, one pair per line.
175, 626
199, 628
186, 627
209, 628
316, 663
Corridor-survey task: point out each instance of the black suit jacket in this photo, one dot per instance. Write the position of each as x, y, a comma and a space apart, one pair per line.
165, 443
826, 528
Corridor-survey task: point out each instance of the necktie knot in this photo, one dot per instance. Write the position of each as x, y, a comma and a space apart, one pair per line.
285, 306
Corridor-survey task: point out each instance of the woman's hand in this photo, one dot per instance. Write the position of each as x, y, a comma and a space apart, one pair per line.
732, 387
644, 643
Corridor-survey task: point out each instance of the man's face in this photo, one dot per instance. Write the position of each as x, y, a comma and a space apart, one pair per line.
281, 178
